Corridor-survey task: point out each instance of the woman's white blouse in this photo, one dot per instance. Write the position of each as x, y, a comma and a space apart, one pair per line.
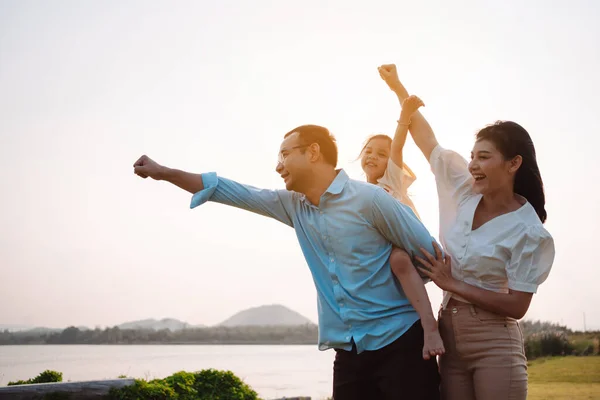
512, 251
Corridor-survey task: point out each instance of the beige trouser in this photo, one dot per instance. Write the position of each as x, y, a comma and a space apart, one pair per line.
485, 357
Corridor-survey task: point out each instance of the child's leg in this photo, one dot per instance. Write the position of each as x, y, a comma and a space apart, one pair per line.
414, 288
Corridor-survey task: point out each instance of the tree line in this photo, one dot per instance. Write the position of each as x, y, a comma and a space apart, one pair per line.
300, 334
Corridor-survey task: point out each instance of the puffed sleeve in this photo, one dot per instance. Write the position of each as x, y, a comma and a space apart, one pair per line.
453, 180
531, 260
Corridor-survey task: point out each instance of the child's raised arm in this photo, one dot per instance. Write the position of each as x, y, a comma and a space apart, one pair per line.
419, 127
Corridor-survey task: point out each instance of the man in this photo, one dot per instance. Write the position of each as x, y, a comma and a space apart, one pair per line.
346, 230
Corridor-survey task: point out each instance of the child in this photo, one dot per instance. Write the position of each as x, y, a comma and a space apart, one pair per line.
381, 158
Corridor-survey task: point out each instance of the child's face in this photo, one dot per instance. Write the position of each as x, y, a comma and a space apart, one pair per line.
374, 158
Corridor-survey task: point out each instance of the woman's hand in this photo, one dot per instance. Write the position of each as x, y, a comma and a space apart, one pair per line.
438, 269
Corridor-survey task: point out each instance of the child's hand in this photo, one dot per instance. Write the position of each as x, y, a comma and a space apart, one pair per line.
409, 107
389, 74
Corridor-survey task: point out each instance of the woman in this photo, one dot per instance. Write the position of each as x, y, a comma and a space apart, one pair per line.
381, 158
498, 253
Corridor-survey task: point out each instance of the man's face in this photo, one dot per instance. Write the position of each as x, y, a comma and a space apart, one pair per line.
293, 163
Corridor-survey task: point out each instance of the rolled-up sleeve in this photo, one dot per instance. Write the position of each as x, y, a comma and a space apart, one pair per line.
531, 260
276, 204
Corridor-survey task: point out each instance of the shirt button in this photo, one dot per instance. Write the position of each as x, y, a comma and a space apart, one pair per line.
454, 310
341, 304
331, 259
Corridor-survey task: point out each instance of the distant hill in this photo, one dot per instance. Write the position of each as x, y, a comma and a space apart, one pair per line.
157, 325
267, 316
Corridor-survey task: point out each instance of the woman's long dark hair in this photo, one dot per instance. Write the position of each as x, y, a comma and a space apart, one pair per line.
512, 140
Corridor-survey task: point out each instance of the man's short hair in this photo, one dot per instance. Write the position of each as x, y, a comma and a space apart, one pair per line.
309, 134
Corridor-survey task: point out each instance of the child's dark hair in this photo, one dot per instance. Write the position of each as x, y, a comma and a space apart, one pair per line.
376, 136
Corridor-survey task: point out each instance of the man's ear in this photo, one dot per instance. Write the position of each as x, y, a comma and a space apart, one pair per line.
315, 152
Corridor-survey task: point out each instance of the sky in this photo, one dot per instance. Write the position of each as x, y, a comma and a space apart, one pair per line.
88, 87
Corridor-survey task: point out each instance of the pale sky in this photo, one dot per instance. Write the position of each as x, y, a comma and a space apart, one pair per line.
88, 87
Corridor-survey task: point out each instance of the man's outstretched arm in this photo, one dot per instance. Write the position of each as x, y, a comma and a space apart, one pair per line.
147, 167
277, 204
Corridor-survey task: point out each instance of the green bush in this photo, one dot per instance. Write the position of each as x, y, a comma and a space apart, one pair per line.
47, 376
547, 344
144, 390
583, 348
183, 384
222, 385
207, 384
585, 344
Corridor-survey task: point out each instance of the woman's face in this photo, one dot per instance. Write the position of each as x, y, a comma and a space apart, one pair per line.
491, 172
374, 158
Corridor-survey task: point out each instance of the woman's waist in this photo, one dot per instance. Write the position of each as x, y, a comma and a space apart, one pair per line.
457, 305
492, 283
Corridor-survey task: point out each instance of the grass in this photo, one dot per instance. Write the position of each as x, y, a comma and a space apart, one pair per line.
562, 378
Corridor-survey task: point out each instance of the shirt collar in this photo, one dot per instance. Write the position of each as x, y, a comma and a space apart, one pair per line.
336, 186
338, 183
